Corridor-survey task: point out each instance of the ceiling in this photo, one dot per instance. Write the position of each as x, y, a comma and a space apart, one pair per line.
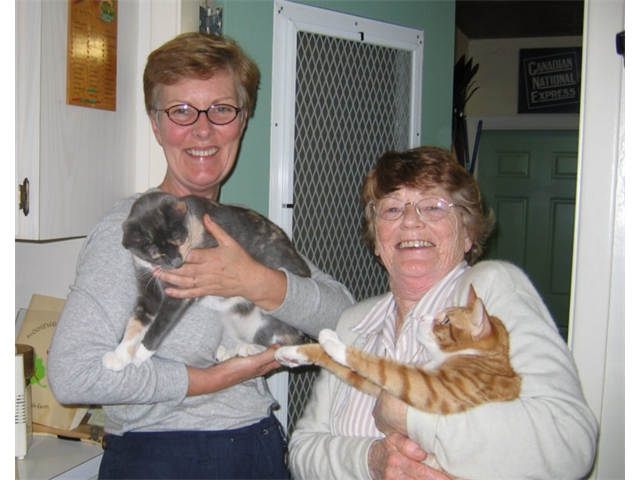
486, 19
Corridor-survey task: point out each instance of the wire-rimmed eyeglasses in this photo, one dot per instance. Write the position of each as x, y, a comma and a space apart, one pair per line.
185, 114
431, 209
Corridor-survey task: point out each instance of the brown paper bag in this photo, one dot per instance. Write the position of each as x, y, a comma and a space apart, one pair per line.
89, 430
37, 330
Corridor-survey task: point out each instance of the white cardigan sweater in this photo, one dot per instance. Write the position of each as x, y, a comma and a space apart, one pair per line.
548, 433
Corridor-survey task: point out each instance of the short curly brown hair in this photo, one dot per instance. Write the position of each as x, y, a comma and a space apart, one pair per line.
424, 168
200, 56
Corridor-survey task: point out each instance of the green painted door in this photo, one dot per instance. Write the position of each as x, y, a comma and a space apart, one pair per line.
528, 178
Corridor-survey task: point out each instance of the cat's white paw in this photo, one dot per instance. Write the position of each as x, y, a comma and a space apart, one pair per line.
429, 341
331, 344
425, 329
142, 355
223, 354
425, 335
247, 349
115, 361
241, 350
291, 357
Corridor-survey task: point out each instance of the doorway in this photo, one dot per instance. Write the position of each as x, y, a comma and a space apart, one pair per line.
533, 232
528, 178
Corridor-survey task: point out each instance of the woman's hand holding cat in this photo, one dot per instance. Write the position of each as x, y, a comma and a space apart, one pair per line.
397, 457
231, 372
226, 271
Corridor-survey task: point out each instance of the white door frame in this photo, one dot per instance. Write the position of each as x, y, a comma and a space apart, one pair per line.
596, 334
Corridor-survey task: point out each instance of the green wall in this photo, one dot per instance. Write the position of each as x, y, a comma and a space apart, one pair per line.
251, 23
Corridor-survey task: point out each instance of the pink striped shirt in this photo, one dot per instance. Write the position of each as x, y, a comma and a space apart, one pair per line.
353, 416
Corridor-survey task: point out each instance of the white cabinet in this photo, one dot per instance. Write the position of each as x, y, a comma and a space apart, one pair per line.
78, 161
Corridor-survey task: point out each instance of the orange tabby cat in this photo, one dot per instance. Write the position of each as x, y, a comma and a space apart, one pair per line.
469, 363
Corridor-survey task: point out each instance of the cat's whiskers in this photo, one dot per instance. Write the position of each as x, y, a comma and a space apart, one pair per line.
153, 280
158, 282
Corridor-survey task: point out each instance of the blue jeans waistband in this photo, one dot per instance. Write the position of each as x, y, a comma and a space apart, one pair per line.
254, 451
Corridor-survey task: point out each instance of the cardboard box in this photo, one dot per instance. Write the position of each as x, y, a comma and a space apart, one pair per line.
37, 330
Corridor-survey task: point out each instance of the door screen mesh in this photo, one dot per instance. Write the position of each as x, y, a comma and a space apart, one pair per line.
353, 102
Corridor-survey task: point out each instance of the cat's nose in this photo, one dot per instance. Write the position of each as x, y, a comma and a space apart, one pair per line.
176, 262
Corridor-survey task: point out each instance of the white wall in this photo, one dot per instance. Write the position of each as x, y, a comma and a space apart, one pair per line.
45, 269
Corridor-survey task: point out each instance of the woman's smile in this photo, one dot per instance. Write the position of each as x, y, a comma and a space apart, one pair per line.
201, 155
414, 244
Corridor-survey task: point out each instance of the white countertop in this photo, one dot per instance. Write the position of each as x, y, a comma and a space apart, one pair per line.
50, 457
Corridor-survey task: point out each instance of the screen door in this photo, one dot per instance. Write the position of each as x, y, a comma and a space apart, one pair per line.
353, 93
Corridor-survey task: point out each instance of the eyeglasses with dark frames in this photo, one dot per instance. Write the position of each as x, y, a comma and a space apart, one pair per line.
185, 114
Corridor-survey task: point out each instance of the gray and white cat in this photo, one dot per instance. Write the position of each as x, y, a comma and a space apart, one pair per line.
160, 231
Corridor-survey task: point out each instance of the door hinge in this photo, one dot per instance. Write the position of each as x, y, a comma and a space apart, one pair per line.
211, 20
23, 197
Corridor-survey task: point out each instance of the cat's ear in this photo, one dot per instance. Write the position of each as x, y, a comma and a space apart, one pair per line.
174, 209
471, 297
132, 236
481, 326
181, 208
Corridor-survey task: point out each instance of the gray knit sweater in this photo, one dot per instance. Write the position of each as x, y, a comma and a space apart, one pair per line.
152, 397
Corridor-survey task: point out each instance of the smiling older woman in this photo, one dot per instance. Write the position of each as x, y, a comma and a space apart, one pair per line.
424, 221
180, 415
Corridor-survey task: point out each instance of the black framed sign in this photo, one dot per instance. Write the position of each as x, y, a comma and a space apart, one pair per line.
549, 80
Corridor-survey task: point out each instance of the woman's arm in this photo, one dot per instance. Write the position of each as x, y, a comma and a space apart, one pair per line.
77, 375
91, 324
314, 452
231, 372
82, 336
